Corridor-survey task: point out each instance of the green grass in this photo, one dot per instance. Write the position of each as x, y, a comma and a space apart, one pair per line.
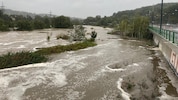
71, 47
20, 58
10, 60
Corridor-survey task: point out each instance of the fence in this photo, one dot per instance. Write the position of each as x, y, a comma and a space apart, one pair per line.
167, 34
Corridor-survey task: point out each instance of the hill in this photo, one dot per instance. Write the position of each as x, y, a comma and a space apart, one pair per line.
152, 12
13, 12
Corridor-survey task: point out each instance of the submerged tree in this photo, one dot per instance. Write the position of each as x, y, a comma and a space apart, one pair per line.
124, 26
93, 35
140, 27
79, 33
137, 27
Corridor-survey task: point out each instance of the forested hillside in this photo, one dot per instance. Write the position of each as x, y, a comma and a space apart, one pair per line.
152, 12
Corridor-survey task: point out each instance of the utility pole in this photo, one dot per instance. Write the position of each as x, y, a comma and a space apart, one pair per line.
152, 15
50, 16
161, 20
2, 8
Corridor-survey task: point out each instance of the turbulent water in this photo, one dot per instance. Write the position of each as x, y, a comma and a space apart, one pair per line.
115, 69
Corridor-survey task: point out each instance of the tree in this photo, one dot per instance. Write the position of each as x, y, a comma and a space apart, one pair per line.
79, 33
124, 26
62, 22
90, 21
3, 26
37, 24
136, 27
140, 25
24, 25
47, 22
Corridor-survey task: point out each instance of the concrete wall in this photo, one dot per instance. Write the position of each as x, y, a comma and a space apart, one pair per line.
169, 50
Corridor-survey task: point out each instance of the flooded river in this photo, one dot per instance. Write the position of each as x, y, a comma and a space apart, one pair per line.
115, 69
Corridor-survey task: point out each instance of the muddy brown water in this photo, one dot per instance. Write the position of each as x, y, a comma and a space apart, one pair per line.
115, 69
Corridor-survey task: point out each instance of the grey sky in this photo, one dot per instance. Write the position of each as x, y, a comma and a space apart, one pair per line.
78, 8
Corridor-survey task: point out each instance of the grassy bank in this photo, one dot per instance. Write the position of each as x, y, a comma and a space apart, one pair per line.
71, 47
20, 58
10, 60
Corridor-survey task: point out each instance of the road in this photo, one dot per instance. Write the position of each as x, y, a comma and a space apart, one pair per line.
115, 69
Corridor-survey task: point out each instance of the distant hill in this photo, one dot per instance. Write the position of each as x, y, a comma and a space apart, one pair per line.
170, 15
13, 12
146, 10
170, 12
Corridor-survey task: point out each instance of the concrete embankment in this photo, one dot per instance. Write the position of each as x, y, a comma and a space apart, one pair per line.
169, 50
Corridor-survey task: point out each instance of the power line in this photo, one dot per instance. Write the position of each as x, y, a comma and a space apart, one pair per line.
2, 7
50, 14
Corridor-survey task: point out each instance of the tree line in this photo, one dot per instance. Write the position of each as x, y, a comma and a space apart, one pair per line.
137, 27
28, 23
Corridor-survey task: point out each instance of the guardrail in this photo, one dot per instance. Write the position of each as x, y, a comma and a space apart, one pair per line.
167, 34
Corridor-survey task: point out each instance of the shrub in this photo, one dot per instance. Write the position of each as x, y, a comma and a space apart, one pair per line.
93, 35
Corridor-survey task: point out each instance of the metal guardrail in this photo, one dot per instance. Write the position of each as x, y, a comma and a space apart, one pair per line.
167, 34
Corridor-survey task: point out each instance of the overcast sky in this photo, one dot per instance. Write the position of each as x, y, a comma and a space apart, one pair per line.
78, 8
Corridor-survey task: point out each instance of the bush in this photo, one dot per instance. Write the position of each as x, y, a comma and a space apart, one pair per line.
20, 58
93, 35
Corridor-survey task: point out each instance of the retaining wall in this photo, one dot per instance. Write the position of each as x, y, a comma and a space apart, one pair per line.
169, 50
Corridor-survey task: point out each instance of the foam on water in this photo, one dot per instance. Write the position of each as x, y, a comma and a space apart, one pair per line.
12, 34
133, 40
25, 66
125, 95
135, 64
102, 70
96, 75
15, 84
120, 39
74, 95
21, 46
10, 43
150, 58
141, 47
15, 81
111, 69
